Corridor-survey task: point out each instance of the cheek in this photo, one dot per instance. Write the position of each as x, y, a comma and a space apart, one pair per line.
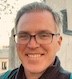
55, 47
51, 48
20, 48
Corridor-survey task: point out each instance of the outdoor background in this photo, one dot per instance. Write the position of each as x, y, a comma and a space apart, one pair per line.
8, 10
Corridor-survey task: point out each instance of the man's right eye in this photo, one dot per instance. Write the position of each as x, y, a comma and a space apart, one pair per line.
23, 36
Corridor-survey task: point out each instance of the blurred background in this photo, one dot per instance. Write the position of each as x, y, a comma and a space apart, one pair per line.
8, 10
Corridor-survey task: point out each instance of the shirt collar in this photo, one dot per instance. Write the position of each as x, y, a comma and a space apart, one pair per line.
52, 70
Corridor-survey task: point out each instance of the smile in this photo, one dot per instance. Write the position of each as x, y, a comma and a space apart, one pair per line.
34, 55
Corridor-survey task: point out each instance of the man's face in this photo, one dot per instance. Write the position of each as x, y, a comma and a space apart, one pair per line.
37, 57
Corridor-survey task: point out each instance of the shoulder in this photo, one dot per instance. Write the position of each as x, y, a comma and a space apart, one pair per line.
8, 74
64, 73
5, 75
71, 76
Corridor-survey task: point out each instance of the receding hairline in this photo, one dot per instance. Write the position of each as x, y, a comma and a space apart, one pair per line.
32, 7
35, 7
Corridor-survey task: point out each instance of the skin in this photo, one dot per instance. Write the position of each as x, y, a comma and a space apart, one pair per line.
32, 23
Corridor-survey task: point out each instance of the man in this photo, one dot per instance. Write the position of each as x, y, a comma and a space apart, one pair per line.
38, 40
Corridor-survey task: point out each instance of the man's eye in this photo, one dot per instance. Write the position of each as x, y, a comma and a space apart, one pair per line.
44, 36
24, 36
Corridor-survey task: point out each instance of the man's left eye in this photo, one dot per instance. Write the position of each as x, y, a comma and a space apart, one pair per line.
44, 35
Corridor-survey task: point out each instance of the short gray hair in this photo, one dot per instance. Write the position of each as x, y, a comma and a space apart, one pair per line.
37, 6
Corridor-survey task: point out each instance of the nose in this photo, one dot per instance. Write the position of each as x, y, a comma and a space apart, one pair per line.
33, 43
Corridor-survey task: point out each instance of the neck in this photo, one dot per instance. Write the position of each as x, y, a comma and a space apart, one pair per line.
31, 75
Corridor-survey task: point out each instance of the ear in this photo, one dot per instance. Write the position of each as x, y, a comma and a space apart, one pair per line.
59, 40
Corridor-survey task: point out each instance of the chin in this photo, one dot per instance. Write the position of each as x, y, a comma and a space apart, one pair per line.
36, 69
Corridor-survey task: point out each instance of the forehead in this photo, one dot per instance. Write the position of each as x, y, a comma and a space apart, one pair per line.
36, 21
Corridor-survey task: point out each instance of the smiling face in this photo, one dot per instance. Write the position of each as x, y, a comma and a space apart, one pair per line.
37, 57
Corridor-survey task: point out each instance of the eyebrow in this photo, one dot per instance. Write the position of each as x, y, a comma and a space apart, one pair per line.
23, 32
47, 31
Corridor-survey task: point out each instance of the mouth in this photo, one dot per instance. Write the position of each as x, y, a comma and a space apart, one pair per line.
34, 55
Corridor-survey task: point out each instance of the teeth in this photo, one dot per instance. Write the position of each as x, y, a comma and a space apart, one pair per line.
34, 56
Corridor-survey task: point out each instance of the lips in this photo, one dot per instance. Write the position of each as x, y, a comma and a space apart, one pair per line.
33, 55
